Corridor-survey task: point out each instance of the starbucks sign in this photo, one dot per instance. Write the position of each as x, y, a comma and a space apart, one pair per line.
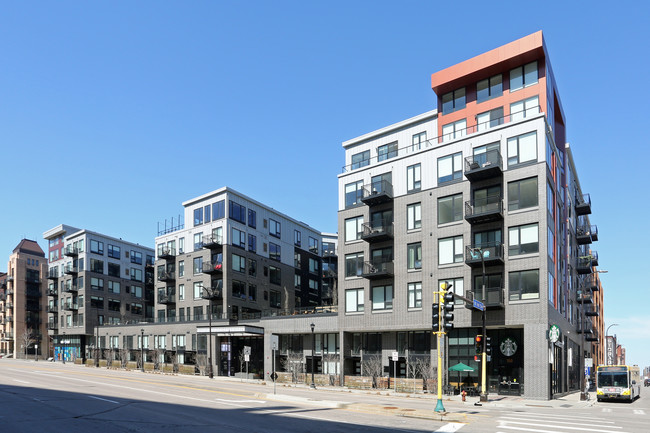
508, 346
554, 333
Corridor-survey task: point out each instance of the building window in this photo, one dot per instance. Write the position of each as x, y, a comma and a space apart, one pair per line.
522, 194
238, 238
252, 218
313, 245
252, 243
297, 238
313, 266
353, 193
136, 257
354, 300
97, 302
524, 285
198, 290
297, 281
113, 251
275, 299
453, 101
382, 298
523, 239
274, 251
489, 119
353, 265
198, 241
360, 159
450, 209
113, 270
313, 285
353, 228
198, 216
181, 268
96, 247
450, 250
522, 148
454, 130
252, 267
97, 266
523, 76
418, 140
237, 212
238, 289
522, 109
181, 293
413, 178
414, 216
275, 275
414, 293
414, 256
198, 265
96, 283
387, 151
450, 168
489, 88
206, 212
238, 263
252, 292
218, 210
275, 228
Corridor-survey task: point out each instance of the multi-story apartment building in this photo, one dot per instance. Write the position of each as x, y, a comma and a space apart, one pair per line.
93, 279
23, 330
481, 192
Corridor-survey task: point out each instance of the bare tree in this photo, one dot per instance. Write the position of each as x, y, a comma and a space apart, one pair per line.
124, 357
294, 363
411, 368
109, 354
175, 362
426, 371
331, 363
242, 361
202, 363
373, 367
157, 354
138, 359
28, 338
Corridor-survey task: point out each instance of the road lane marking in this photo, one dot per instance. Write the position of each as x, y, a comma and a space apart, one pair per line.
639, 412
21, 381
233, 402
555, 422
104, 399
551, 426
571, 417
606, 409
450, 428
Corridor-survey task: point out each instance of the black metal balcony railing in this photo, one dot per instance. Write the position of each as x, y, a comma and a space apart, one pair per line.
212, 267
70, 307
51, 292
589, 282
592, 336
52, 309
32, 279
52, 326
166, 276
585, 326
584, 264
71, 251
592, 311
583, 234
215, 291
376, 269
378, 231
212, 241
70, 269
484, 165
594, 258
484, 210
495, 297
594, 233
72, 288
53, 274
167, 253
377, 192
583, 204
584, 297
490, 252
168, 297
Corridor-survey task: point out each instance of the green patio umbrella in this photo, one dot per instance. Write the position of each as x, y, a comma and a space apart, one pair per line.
461, 367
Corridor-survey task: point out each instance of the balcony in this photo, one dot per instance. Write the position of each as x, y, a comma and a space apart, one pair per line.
214, 292
584, 297
593, 336
212, 242
377, 231
51, 292
70, 269
495, 297
72, 288
585, 326
592, 311
490, 252
167, 253
52, 326
212, 268
52, 309
589, 282
10, 278
70, 307
583, 234
376, 270
483, 166
583, 265
167, 276
167, 296
377, 193
594, 258
484, 210
53, 274
71, 251
583, 204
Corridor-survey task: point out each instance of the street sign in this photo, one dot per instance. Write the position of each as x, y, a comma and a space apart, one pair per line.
395, 356
589, 362
274, 376
246, 357
478, 305
247, 350
275, 342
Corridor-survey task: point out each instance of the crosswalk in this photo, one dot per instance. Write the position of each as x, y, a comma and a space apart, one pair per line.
554, 423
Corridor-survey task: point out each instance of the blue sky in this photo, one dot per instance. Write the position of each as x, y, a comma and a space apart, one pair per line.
113, 113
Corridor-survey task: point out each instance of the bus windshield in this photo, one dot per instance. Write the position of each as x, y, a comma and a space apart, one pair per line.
606, 378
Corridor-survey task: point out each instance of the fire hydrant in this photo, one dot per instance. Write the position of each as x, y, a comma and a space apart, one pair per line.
463, 394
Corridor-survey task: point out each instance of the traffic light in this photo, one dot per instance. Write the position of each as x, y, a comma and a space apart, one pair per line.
449, 307
435, 317
478, 344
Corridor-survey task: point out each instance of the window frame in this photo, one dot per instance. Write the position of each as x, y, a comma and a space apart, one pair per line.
456, 214
412, 221
414, 178
414, 256
519, 248
359, 302
414, 294
457, 256
353, 235
456, 172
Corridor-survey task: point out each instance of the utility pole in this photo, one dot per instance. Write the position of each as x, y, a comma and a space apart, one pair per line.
442, 318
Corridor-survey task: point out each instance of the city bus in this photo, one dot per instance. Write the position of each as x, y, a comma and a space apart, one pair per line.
618, 382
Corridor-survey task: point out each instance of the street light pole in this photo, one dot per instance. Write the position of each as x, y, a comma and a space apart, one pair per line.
63, 343
142, 348
210, 295
484, 394
313, 355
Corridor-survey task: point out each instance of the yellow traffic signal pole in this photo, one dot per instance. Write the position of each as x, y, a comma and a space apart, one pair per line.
439, 334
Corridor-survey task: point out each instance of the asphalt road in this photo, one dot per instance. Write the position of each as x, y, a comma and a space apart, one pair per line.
51, 397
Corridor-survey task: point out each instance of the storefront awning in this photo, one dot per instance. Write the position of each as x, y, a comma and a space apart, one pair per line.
232, 331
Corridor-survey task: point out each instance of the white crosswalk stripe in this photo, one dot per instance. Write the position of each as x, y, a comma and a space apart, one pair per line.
639, 412
552, 423
450, 428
